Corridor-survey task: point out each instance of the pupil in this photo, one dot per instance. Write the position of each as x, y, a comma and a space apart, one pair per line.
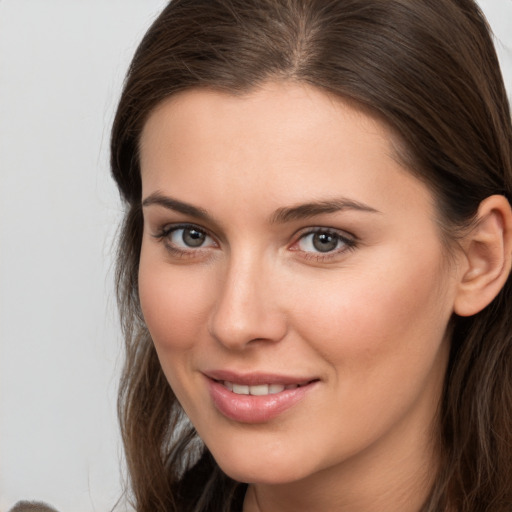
324, 242
193, 237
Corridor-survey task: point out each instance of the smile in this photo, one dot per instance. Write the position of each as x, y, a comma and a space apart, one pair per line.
256, 398
258, 390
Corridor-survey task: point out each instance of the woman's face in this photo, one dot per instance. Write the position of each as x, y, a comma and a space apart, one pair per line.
294, 282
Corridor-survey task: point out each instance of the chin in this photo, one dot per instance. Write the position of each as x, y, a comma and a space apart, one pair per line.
261, 470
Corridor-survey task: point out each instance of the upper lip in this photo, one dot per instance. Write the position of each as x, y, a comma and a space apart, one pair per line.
256, 378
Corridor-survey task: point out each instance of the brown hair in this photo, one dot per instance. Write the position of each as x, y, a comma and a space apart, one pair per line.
429, 69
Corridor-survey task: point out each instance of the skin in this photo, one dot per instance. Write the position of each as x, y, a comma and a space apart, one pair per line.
368, 321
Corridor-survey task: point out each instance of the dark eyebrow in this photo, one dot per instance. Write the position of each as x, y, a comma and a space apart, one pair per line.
281, 215
175, 205
308, 210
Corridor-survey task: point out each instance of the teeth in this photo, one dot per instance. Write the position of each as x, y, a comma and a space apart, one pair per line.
240, 389
259, 390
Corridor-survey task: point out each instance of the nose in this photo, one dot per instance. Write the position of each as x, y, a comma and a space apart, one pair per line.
247, 305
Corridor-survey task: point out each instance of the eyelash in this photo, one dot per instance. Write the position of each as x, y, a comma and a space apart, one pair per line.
349, 242
165, 233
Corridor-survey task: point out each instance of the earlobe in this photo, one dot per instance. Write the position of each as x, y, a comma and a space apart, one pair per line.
487, 256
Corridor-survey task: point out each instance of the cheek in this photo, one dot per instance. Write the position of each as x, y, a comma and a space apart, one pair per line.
382, 333
173, 303
395, 308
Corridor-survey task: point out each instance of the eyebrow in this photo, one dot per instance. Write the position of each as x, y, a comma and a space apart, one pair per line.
178, 206
280, 216
308, 210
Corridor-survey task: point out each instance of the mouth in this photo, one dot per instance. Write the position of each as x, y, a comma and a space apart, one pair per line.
256, 398
259, 389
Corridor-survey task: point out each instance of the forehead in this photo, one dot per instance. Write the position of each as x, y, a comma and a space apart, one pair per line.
299, 106
290, 141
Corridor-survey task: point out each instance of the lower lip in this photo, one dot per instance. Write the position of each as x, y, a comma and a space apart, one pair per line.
254, 409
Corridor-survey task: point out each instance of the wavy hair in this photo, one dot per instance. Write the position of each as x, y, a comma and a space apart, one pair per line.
428, 68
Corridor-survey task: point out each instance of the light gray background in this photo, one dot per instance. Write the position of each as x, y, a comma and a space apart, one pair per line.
62, 63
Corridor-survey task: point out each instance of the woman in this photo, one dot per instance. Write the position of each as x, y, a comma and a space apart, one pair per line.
314, 263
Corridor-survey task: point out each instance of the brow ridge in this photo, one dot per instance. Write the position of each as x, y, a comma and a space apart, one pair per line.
308, 210
280, 216
170, 203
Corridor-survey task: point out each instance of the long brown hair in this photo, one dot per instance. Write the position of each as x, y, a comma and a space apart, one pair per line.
429, 69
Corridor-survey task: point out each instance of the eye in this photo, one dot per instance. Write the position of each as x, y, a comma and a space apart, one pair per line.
189, 237
182, 239
324, 241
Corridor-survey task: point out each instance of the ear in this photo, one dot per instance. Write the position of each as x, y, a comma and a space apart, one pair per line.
487, 257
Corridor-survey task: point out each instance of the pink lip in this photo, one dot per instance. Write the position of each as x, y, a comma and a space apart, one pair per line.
255, 409
255, 378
